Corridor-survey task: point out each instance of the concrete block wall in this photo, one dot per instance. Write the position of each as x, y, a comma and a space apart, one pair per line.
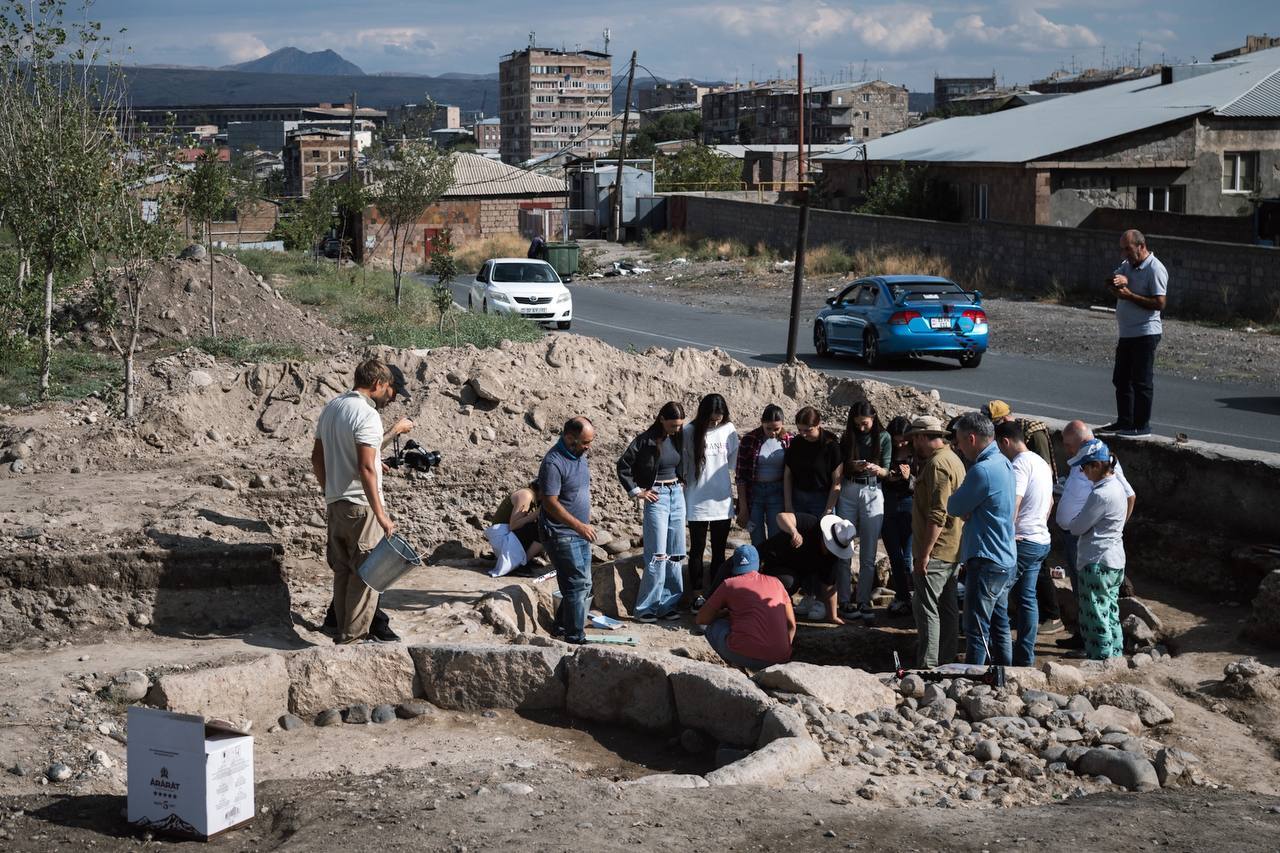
1206, 279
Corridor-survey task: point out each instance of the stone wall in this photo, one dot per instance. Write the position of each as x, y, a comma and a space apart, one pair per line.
1206, 279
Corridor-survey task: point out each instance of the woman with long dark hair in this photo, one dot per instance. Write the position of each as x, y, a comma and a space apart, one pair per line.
866, 453
809, 466
759, 475
711, 441
650, 470
895, 532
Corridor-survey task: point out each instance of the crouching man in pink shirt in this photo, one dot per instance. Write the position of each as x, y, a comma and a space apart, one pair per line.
748, 618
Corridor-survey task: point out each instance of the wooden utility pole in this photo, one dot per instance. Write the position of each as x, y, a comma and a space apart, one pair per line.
622, 154
797, 282
800, 118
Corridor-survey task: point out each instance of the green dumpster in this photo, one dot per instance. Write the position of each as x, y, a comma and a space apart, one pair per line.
563, 257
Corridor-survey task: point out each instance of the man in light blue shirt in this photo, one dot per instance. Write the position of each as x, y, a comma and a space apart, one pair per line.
985, 500
1139, 284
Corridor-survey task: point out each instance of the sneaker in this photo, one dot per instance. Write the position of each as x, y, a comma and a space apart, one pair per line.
899, 608
1077, 654
1071, 642
1053, 626
818, 611
849, 610
1136, 432
647, 618
698, 630
698, 602
673, 616
1111, 428
866, 614
806, 604
383, 634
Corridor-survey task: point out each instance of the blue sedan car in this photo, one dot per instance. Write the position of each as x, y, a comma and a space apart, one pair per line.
890, 316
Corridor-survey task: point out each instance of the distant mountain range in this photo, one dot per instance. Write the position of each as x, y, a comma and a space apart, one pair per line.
290, 60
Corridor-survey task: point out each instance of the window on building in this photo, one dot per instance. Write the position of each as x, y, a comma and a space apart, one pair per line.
1162, 199
980, 199
839, 100
866, 97
1239, 171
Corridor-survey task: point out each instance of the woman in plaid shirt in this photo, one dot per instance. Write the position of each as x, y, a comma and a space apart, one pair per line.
759, 475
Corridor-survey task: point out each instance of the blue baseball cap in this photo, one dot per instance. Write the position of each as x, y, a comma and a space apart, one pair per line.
1092, 450
745, 560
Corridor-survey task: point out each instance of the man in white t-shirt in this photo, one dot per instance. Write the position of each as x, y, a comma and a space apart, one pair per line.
346, 464
1074, 491
1033, 500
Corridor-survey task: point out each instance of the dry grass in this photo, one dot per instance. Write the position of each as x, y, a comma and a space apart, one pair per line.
475, 252
828, 260
894, 261
668, 245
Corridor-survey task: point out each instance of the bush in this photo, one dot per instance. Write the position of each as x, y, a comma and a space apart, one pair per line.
246, 349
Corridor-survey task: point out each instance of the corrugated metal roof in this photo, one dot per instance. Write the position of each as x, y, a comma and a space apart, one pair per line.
1040, 130
476, 175
740, 151
1262, 101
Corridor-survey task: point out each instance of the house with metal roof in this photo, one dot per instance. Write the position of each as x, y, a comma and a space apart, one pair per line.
486, 199
1199, 140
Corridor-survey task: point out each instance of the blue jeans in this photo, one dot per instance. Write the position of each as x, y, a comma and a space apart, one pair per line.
895, 533
813, 503
662, 583
571, 557
986, 612
1023, 602
718, 638
863, 504
766, 503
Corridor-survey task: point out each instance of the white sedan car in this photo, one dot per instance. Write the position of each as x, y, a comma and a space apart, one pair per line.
521, 286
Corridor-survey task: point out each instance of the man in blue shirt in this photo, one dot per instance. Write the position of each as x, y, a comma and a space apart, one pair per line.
564, 481
1139, 284
985, 501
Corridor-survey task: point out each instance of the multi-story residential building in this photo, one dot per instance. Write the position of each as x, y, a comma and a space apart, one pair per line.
220, 115
313, 155
767, 114
554, 101
678, 92
947, 88
488, 133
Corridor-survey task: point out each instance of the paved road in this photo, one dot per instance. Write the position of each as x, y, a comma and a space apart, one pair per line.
1239, 415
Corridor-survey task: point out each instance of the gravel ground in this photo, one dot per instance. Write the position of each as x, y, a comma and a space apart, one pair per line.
1039, 330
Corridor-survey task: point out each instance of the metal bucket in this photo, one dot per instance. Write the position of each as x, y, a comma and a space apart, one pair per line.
391, 560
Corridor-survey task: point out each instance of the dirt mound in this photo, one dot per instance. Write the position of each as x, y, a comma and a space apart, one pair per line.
177, 309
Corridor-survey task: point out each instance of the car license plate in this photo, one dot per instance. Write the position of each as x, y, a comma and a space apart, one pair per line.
939, 322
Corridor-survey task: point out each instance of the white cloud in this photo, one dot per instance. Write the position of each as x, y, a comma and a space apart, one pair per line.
891, 29
1029, 30
404, 41
240, 47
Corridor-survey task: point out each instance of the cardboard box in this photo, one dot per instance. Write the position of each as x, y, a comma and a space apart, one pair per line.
187, 776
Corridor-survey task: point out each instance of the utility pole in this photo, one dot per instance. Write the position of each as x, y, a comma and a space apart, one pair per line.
622, 154
797, 282
800, 119
351, 143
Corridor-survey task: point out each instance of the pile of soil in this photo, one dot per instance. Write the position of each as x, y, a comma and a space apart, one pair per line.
247, 306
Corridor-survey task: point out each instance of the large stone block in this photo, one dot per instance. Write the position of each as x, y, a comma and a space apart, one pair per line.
840, 688
257, 690
614, 586
1129, 769
1149, 707
327, 677
781, 721
777, 761
518, 609
614, 686
721, 702
465, 677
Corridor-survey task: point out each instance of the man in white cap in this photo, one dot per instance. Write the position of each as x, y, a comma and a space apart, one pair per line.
748, 618
804, 553
935, 543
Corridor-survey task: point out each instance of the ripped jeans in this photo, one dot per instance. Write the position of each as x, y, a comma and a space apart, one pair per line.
662, 584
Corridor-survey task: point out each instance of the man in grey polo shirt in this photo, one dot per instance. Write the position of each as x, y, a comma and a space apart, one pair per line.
1139, 284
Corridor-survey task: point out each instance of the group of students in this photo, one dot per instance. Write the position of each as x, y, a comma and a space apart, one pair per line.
975, 530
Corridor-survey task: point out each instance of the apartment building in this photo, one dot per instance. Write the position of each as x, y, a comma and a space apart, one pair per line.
945, 89
488, 133
767, 113
555, 101
677, 92
313, 155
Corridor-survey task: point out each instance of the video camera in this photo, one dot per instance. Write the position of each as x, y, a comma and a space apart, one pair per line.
413, 456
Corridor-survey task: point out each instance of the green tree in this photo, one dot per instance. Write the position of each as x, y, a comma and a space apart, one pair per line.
666, 128
444, 267
698, 167
910, 191
209, 193
407, 181
56, 138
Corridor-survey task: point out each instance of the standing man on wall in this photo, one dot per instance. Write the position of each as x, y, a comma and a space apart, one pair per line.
564, 482
1139, 284
345, 461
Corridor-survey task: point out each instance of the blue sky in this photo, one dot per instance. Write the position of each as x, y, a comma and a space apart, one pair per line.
903, 42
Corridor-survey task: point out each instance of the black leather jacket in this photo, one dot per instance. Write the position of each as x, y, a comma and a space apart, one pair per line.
638, 464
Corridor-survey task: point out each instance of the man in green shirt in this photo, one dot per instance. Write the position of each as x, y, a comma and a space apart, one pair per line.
935, 543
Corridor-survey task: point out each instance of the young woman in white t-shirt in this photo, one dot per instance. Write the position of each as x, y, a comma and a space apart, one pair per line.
710, 455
